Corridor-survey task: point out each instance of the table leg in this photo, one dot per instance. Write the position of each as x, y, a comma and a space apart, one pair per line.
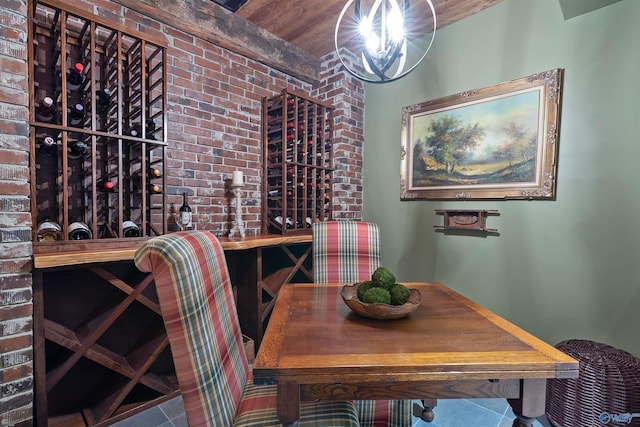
427, 411
531, 403
288, 404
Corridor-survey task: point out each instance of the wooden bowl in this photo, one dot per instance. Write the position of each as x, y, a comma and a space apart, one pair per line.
379, 311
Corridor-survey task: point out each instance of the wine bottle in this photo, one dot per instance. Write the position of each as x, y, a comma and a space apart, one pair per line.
45, 111
76, 115
154, 189
105, 186
47, 146
76, 149
79, 231
103, 100
75, 77
48, 231
153, 173
130, 229
186, 216
288, 221
150, 126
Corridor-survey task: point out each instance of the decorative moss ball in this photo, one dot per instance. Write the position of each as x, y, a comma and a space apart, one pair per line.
376, 295
383, 278
399, 294
364, 287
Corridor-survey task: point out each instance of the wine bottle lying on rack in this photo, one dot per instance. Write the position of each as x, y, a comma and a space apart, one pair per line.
49, 231
130, 229
76, 115
46, 111
103, 100
77, 149
47, 146
105, 186
154, 189
75, 78
153, 173
79, 231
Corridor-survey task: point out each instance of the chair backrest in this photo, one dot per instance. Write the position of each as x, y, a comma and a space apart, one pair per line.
345, 251
199, 312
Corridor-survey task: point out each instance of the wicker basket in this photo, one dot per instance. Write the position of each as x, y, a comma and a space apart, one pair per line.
607, 391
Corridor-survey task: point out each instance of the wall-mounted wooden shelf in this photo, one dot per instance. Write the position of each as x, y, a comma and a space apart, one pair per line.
465, 219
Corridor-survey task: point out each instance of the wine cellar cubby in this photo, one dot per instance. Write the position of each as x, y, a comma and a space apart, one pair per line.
297, 133
106, 358
98, 128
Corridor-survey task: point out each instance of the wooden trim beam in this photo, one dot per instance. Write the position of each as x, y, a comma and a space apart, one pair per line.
207, 20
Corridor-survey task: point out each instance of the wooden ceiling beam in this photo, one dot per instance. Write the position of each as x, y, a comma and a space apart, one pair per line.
206, 20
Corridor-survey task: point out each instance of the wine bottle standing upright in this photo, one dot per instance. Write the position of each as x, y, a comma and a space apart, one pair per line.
186, 216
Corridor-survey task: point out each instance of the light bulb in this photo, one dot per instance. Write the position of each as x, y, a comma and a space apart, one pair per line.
395, 24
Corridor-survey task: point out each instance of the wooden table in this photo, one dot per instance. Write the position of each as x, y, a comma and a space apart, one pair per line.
450, 347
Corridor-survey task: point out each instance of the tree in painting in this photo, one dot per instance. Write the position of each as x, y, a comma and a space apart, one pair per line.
451, 140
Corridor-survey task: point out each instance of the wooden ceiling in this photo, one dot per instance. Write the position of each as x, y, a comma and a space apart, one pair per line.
288, 35
310, 24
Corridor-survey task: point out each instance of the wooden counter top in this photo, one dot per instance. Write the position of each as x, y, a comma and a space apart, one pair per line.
57, 255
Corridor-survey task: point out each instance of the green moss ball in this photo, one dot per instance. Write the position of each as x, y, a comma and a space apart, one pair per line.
383, 278
376, 295
364, 287
399, 294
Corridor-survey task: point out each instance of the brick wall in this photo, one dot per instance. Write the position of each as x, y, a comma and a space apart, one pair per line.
214, 128
16, 337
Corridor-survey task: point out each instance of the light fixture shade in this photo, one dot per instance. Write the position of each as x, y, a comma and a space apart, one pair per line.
380, 41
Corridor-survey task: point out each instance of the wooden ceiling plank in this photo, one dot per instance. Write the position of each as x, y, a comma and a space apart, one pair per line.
211, 22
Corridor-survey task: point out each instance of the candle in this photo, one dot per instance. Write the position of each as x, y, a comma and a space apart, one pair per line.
237, 178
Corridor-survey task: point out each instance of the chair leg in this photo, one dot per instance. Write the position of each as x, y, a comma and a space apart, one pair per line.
427, 412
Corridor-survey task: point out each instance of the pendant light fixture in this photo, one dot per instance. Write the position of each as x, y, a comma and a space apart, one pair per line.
379, 41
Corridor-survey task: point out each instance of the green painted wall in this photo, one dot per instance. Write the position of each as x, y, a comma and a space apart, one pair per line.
568, 268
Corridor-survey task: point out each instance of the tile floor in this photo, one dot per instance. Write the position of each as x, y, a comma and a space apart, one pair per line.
448, 413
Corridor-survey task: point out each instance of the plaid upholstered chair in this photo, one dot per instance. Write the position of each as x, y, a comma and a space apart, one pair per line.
200, 316
349, 252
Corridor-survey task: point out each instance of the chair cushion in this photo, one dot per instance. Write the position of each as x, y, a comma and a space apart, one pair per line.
257, 409
345, 251
384, 413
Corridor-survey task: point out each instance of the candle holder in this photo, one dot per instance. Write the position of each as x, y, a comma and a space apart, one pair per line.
238, 224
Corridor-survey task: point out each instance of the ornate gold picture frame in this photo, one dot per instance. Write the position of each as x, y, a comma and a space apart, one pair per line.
497, 142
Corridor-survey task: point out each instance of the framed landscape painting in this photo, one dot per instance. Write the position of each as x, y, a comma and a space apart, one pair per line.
498, 142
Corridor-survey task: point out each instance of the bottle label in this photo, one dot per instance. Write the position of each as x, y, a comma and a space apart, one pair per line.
185, 218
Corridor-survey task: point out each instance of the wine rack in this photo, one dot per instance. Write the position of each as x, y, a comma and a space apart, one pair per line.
107, 353
100, 146
297, 134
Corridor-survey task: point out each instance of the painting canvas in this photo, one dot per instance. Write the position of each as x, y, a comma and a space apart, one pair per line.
495, 142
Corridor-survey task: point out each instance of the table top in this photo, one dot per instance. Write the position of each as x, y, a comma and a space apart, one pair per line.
313, 337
